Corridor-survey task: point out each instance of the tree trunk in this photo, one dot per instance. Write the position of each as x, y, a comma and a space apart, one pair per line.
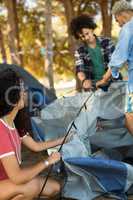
14, 44
49, 44
106, 17
2, 48
69, 14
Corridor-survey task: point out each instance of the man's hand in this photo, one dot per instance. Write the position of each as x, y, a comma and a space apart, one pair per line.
87, 84
104, 81
101, 83
107, 75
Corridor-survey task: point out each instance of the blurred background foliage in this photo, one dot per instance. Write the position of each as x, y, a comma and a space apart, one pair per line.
23, 26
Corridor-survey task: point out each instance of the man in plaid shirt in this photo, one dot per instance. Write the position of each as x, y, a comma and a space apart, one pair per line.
93, 54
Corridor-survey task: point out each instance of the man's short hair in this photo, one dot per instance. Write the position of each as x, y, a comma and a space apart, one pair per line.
121, 6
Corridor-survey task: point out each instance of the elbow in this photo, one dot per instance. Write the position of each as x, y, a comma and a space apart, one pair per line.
18, 178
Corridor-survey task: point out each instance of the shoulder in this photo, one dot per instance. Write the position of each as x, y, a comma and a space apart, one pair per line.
127, 28
4, 133
6, 147
128, 24
106, 42
22, 132
103, 39
80, 50
3, 126
5, 130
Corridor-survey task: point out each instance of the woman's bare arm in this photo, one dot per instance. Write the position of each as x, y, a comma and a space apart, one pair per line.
20, 175
40, 146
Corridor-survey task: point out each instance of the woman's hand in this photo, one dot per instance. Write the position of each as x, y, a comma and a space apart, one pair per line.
53, 158
68, 138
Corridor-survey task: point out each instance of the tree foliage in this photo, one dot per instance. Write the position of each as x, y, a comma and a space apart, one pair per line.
30, 31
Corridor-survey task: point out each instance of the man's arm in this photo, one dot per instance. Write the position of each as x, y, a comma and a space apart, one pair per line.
107, 75
82, 70
81, 76
86, 83
105, 79
119, 57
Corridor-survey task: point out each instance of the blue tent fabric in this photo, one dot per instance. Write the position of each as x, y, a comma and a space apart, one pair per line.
111, 174
90, 177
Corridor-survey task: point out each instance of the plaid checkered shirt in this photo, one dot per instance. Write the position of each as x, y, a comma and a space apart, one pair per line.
83, 60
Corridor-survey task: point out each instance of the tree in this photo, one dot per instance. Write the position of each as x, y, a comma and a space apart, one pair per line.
49, 44
14, 43
32, 26
2, 47
74, 8
106, 7
69, 13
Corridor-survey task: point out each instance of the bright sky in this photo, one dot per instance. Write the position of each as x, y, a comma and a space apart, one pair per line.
32, 3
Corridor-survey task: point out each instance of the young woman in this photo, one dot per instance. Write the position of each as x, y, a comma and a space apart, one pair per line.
18, 183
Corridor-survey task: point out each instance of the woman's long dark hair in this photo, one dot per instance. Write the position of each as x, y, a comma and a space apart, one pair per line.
23, 122
10, 88
9, 91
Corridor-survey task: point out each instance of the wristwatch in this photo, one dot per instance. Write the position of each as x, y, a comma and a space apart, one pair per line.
46, 162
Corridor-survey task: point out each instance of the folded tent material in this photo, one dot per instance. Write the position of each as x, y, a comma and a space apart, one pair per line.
91, 173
